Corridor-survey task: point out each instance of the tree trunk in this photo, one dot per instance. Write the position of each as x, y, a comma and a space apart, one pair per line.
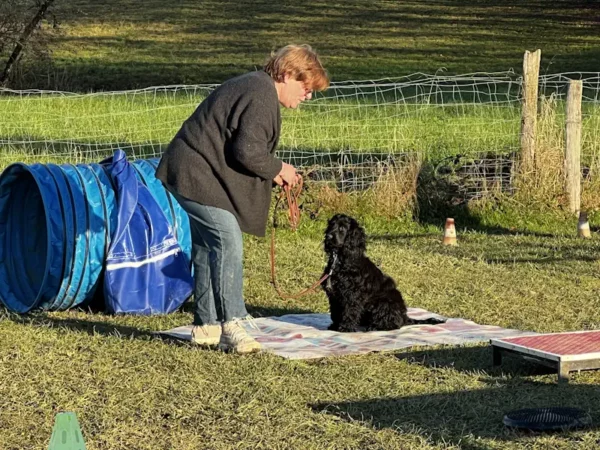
16, 54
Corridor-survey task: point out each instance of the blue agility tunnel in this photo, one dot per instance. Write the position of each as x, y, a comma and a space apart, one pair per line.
56, 227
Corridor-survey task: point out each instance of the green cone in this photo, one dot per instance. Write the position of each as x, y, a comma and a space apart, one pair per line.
66, 434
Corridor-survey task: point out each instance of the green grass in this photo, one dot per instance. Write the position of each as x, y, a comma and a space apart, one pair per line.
87, 128
133, 391
120, 45
147, 123
110, 44
515, 267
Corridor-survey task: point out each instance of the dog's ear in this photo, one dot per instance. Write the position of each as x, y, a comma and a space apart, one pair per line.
335, 218
356, 239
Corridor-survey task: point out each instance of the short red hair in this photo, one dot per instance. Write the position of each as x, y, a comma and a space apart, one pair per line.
299, 62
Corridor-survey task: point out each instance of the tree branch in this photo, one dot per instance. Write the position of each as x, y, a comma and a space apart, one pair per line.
20, 45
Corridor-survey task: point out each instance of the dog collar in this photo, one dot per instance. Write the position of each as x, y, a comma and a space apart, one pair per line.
333, 263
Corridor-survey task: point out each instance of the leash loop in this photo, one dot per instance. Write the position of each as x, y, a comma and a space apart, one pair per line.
291, 196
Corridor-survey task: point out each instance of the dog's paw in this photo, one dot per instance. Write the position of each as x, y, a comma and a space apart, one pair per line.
437, 320
333, 327
348, 329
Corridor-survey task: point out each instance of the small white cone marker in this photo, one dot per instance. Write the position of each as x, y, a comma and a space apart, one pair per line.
449, 233
583, 227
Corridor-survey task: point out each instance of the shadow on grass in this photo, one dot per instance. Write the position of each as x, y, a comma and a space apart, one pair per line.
474, 360
463, 418
107, 328
528, 250
446, 32
267, 311
257, 311
440, 194
33, 149
91, 327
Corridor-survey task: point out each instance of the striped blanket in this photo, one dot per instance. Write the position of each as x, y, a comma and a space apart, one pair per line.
305, 336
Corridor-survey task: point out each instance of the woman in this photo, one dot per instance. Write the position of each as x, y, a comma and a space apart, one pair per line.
221, 167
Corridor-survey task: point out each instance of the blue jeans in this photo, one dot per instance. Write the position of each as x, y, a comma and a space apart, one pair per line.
217, 255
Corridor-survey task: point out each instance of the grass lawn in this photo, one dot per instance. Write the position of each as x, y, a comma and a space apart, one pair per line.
143, 123
513, 268
119, 44
133, 391
89, 127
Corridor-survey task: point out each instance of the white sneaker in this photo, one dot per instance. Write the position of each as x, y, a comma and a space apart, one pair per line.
234, 338
206, 334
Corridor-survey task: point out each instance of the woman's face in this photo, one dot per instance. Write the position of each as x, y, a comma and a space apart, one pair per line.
293, 92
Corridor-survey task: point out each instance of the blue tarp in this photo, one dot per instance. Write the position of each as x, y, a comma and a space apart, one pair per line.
146, 270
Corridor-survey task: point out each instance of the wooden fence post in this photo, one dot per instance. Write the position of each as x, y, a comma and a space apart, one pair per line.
531, 71
573, 146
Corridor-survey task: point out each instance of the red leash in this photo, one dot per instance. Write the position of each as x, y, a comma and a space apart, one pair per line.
294, 218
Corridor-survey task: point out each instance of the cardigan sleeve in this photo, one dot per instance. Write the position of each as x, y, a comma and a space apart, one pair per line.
251, 140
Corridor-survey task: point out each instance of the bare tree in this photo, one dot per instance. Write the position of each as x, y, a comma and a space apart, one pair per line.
9, 22
19, 20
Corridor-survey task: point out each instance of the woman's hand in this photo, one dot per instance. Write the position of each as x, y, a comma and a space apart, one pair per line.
279, 181
288, 175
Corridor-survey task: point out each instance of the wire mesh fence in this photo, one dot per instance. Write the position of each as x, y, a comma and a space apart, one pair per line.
556, 87
467, 125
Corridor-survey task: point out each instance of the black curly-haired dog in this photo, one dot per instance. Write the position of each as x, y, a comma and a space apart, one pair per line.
360, 295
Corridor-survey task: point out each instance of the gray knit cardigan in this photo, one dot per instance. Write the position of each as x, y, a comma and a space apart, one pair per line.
224, 153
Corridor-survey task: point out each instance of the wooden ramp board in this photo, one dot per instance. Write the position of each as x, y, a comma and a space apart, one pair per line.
566, 352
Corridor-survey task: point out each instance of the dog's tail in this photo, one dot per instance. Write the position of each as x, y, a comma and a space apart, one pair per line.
429, 321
